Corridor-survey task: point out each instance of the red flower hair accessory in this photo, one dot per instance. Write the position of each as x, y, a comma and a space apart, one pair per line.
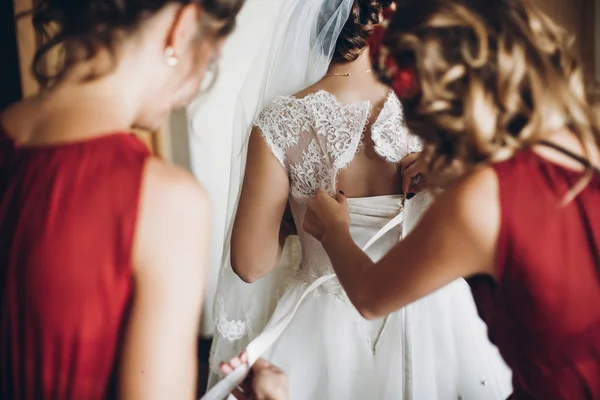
402, 80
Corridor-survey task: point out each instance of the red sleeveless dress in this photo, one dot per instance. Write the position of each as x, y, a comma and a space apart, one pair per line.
67, 222
543, 312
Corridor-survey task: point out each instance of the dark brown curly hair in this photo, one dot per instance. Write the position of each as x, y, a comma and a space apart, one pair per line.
80, 28
364, 16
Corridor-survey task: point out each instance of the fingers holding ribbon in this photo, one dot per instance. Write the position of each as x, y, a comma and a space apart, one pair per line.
326, 214
413, 179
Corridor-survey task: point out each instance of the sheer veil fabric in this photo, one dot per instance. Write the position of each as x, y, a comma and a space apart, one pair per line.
296, 54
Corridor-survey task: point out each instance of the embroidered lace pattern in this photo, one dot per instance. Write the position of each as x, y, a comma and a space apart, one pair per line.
314, 138
317, 136
281, 124
390, 135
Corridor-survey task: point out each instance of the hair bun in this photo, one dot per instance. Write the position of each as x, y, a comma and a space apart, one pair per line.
365, 14
375, 7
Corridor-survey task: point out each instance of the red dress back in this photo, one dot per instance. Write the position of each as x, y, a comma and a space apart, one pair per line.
67, 222
543, 312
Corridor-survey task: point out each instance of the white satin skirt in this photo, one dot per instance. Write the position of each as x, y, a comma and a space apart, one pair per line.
434, 349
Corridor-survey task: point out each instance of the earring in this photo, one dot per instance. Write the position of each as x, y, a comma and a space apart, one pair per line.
170, 58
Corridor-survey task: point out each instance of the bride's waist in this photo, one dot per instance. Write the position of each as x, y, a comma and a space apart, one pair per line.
332, 287
308, 277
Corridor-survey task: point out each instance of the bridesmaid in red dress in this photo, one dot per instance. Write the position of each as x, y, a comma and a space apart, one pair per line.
493, 86
102, 247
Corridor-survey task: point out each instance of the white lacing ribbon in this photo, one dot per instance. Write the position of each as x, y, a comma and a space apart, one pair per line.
276, 326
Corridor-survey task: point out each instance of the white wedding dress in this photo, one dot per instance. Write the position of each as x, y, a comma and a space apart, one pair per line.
433, 349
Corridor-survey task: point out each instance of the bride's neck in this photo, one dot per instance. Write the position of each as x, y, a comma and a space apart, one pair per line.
362, 64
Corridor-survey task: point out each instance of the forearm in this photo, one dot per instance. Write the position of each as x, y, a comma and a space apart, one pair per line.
351, 265
255, 258
251, 258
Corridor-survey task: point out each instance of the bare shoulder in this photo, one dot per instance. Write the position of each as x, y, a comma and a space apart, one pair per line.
173, 188
164, 173
19, 117
174, 213
478, 185
320, 85
474, 200
472, 207
367, 89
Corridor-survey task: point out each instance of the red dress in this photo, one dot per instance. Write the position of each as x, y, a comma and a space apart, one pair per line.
67, 221
543, 312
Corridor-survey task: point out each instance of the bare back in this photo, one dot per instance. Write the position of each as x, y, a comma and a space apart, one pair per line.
332, 136
338, 134
368, 174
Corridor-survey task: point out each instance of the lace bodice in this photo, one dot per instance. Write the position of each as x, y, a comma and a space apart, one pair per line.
315, 137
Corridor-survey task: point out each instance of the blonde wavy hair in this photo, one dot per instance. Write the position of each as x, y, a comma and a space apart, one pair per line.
496, 76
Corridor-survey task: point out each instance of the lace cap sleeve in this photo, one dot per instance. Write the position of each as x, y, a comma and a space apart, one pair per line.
393, 141
415, 144
281, 124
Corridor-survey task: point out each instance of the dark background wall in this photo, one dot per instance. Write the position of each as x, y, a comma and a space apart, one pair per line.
10, 80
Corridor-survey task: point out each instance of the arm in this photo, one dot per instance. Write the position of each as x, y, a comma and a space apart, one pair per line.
170, 253
456, 238
255, 240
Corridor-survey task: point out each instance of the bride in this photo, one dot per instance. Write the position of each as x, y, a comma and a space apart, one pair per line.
343, 131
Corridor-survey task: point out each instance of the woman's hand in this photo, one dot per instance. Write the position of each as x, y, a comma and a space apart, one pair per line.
412, 167
265, 381
326, 215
